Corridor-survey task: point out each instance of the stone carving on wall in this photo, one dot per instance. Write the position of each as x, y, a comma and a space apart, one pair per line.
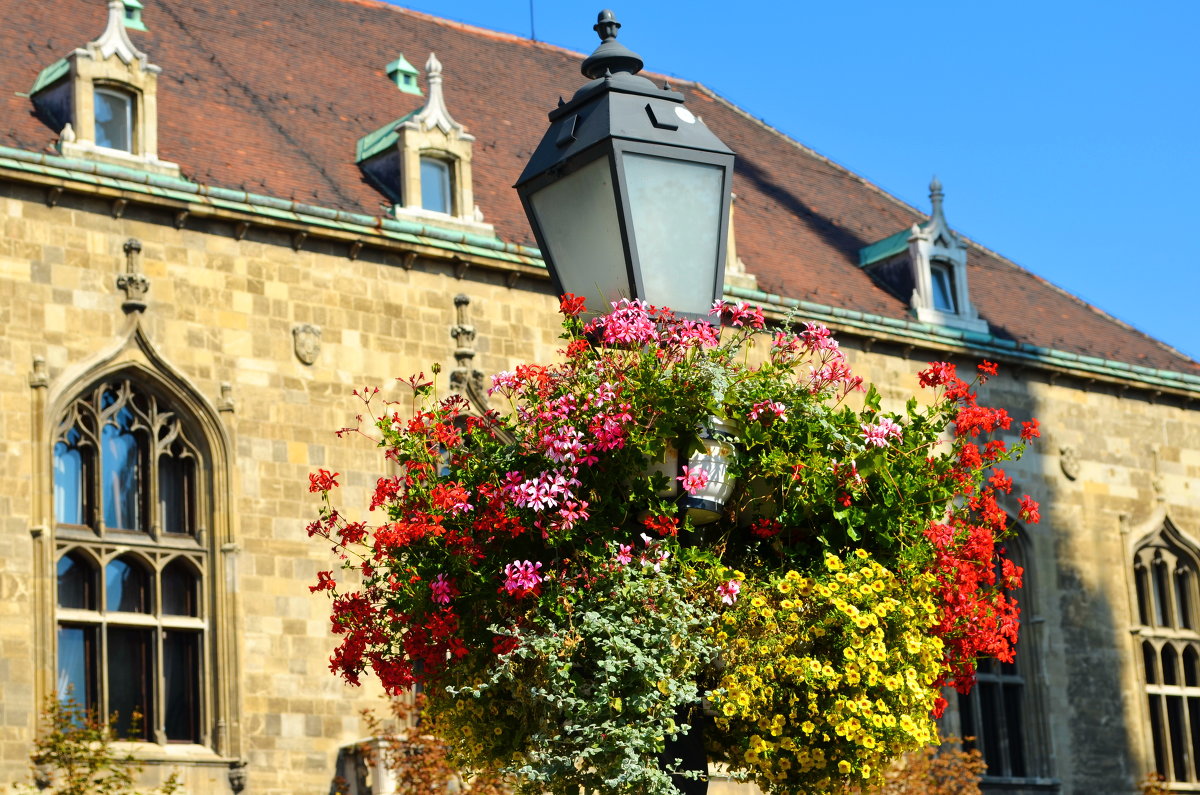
1068, 459
132, 281
465, 378
306, 339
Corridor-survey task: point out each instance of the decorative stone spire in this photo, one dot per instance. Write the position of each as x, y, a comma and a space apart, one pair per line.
465, 378
935, 197
133, 282
115, 40
435, 114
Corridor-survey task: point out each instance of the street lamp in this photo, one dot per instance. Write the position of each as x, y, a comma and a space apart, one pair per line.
628, 192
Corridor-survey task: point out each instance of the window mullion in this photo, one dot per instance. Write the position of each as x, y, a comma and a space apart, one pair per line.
159, 678
102, 671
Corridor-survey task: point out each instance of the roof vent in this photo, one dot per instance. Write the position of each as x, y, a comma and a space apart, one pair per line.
402, 73
133, 15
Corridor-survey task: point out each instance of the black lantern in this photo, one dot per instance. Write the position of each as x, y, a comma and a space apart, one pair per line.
628, 192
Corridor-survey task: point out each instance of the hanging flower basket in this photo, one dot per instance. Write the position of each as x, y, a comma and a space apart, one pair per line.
556, 598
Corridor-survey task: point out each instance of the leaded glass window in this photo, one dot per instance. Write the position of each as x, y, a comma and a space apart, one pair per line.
132, 563
1164, 571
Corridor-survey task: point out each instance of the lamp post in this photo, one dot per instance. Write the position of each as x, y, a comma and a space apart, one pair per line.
628, 196
628, 192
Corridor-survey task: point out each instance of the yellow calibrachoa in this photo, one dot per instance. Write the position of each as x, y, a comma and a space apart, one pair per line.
846, 687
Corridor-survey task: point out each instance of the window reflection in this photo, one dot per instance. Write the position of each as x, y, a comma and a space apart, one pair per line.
128, 587
943, 287
76, 583
119, 468
76, 665
114, 119
68, 479
435, 185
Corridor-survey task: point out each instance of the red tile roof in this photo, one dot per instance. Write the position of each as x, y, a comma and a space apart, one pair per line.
270, 96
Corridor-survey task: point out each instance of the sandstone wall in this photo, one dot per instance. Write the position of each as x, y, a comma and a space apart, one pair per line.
222, 311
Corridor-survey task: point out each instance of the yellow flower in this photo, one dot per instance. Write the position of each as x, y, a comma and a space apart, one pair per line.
843, 767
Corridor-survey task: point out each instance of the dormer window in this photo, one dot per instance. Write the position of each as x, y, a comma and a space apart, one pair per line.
927, 266
422, 161
941, 275
102, 98
114, 119
436, 182
404, 75
133, 15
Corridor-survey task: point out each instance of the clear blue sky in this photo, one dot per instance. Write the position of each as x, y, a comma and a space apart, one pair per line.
1067, 134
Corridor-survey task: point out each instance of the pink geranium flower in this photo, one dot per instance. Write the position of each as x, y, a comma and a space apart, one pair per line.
728, 591
522, 577
877, 435
693, 479
443, 590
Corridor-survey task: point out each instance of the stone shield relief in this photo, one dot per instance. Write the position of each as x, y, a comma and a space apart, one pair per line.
306, 340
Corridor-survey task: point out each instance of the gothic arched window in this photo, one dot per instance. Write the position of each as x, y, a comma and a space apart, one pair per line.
1002, 714
130, 505
1164, 570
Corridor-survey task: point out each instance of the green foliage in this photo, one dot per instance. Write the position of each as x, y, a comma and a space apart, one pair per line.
588, 698
74, 754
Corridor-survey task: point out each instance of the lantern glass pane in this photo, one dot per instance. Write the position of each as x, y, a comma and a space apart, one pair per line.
578, 219
676, 210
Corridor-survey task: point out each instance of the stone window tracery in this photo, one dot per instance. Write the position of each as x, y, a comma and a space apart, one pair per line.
132, 602
1164, 569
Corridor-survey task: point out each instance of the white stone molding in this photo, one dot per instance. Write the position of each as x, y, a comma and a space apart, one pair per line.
435, 114
115, 41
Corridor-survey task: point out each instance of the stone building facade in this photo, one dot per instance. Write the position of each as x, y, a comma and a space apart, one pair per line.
185, 310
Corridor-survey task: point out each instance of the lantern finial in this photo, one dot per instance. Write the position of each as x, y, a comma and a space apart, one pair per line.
611, 56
